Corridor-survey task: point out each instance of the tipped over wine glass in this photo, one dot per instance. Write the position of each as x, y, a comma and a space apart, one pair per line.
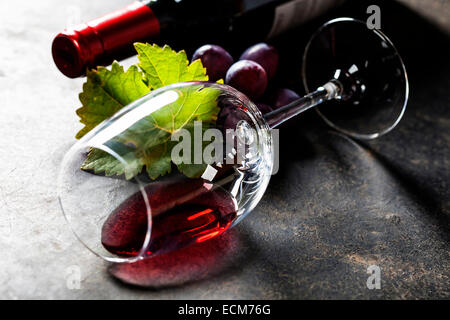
360, 88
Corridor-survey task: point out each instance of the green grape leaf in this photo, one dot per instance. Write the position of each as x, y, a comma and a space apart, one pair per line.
101, 162
164, 66
107, 91
193, 170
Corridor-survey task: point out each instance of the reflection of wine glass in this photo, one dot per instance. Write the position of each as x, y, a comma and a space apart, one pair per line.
126, 217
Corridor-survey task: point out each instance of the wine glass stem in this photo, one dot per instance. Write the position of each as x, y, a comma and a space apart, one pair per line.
329, 91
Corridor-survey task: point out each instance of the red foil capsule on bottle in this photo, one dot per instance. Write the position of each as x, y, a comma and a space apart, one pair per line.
102, 40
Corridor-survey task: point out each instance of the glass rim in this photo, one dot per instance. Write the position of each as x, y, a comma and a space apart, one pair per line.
82, 145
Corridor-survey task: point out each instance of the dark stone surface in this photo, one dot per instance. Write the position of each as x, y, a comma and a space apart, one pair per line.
336, 206
346, 205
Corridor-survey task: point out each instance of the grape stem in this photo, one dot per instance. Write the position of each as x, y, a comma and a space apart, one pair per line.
329, 91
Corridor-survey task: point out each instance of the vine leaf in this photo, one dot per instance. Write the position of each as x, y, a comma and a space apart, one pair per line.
146, 143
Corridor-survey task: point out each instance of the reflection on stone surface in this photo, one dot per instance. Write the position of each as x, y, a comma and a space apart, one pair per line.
184, 266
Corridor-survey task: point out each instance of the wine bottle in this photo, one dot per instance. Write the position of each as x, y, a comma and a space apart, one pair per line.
180, 23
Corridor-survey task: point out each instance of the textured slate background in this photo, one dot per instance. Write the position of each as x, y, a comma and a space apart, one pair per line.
335, 207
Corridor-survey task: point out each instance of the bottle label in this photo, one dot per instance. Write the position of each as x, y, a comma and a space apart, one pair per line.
295, 12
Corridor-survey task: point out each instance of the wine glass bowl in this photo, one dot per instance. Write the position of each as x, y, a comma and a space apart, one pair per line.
131, 199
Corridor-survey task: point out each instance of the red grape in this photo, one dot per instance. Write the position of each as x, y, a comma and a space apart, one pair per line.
248, 77
265, 55
264, 108
282, 97
215, 59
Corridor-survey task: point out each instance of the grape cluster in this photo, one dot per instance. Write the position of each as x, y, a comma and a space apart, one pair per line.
251, 75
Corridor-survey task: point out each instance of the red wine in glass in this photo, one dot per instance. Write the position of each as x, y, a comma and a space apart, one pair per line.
183, 213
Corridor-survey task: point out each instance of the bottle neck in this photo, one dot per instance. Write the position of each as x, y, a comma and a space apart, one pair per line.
102, 40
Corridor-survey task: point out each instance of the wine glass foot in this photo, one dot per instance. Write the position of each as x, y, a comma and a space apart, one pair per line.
365, 63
